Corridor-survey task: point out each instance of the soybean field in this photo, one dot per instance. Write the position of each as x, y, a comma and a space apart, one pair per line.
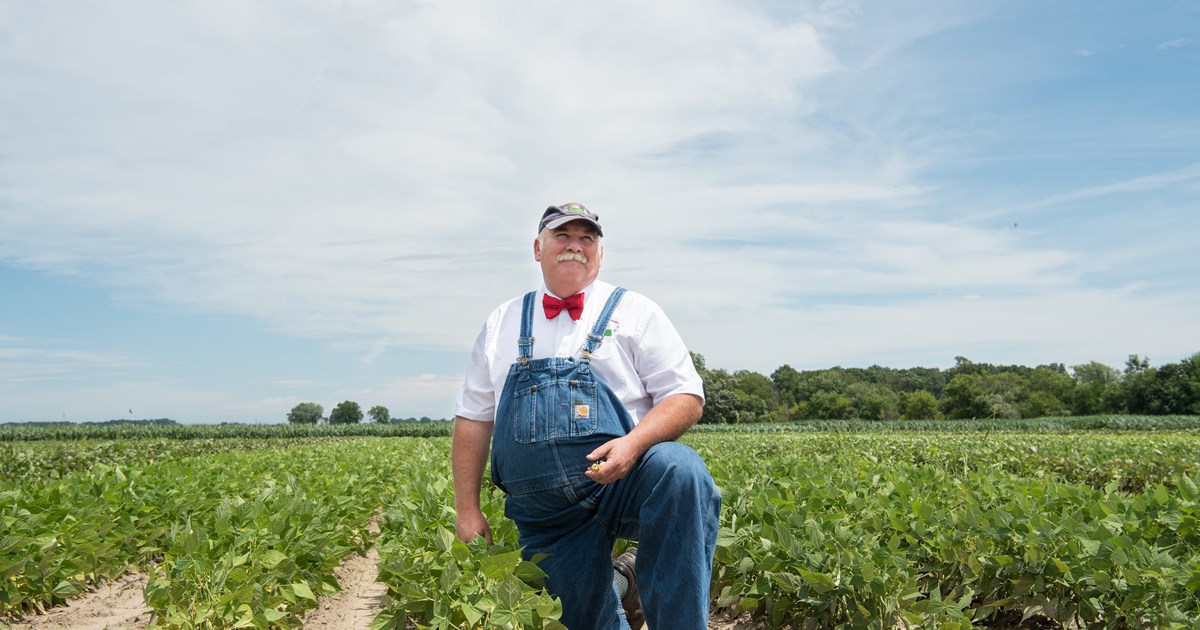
1073, 523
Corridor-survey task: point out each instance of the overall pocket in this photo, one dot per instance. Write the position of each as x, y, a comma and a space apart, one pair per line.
579, 403
555, 409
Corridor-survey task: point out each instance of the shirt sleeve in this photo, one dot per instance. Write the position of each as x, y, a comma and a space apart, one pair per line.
477, 396
663, 362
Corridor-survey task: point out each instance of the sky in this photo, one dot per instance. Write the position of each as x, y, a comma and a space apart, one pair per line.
211, 211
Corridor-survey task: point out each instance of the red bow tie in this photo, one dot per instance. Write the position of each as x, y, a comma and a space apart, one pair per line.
553, 306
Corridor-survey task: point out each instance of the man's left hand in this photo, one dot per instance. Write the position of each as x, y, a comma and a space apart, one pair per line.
615, 458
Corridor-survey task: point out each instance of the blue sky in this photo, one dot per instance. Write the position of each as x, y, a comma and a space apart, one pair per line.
212, 211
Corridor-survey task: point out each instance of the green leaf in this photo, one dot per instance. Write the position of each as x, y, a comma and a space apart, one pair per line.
509, 592
497, 566
473, 616
820, 582
302, 590
272, 558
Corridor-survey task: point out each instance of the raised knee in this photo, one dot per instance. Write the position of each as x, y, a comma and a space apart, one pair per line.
680, 463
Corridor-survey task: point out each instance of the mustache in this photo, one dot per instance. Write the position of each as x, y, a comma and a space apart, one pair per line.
576, 256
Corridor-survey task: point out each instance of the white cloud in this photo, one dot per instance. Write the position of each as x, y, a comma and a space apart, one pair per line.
369, 175
1179, 42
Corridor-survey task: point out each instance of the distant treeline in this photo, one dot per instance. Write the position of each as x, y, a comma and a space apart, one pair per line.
158, 422
967, 390
28, 431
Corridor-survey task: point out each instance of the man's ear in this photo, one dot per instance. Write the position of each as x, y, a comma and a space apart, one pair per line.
537, 250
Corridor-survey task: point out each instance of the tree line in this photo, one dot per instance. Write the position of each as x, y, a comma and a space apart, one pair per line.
346, 412
967, 390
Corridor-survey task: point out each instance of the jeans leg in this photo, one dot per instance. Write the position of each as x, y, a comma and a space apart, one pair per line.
670, 504
579, 572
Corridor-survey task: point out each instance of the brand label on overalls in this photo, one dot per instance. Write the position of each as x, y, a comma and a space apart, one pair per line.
582, 412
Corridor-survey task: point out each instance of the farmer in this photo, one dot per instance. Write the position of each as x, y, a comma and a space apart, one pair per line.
580, 388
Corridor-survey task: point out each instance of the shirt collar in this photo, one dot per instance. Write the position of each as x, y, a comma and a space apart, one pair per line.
587, 291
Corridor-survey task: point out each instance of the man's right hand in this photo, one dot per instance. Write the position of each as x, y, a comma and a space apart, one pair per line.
470, 524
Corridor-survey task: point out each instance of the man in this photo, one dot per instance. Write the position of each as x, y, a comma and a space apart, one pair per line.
580, 389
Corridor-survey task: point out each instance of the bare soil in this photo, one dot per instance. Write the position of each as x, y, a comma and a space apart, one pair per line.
115, 605
361, 597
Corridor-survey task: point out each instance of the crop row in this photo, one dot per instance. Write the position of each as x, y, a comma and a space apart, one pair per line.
236, 538
1130, 460
832, 530
846, 539
24, 432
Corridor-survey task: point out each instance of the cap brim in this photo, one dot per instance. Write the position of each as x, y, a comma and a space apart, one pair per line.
560, 221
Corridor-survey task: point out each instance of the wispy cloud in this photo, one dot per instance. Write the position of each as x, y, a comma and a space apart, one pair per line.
1137, 184
366, 176
22, 365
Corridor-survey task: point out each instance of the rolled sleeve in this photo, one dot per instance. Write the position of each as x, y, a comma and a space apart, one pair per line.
477, 396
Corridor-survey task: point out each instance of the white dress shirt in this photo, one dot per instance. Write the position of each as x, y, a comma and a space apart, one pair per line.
642, 362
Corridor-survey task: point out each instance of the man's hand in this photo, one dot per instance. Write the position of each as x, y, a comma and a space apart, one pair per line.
614, 459
667, 420
470, 524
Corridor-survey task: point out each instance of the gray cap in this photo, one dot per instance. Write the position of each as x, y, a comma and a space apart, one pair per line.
558, 215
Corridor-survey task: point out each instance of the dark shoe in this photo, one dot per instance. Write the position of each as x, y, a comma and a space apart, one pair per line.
632, 603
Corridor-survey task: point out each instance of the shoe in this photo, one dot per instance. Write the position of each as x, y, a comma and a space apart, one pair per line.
632, 603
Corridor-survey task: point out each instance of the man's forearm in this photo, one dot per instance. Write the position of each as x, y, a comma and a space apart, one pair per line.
468, 456
667, 420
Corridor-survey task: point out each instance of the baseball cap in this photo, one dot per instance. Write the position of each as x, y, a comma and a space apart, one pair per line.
558, 215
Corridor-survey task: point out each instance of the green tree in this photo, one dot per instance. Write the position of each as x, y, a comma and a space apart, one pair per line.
919, 405
306, 413
346, 412
1048, 391
380, 414
1173, 388
872, 401
1097, 389
829, 405
720, 398
787, 384
756, 398
963, 397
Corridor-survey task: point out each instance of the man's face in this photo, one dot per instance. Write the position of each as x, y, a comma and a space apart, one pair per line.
570, 257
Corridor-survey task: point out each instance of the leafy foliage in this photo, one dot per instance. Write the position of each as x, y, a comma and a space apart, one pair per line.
306, 413
379, 413
92, 432
949, 524
845, 534
346, 412
437, 581
967, 390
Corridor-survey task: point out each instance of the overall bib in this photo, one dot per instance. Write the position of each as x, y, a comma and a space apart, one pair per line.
552, 413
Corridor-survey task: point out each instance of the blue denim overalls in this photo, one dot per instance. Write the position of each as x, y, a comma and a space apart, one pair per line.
552, 413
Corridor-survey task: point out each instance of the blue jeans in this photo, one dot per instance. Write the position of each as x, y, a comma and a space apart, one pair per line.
552, 413
668, 503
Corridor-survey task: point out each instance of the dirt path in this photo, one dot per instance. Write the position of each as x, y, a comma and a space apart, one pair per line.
361, 597
115, 605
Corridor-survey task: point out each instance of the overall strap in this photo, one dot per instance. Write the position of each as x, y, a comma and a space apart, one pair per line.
525, 341
597, 335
